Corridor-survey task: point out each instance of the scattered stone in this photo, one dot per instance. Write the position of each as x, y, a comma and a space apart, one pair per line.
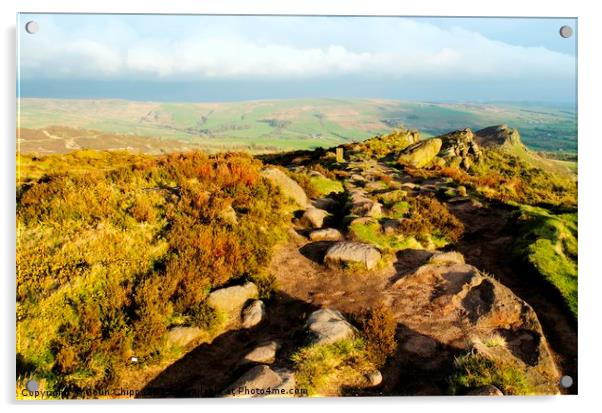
409, 185
451, 257
229, 216
314, 217
265, 353
345, 253
328, 326
363, 221
391, 226
325, 203
363, 206
230, 300
458, 199
327, 234
374, 378
421, 346
181, 336
253, 314
487, 390
254, 383
287, 186
358, 178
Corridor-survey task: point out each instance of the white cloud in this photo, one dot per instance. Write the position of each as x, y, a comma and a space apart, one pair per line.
274, 48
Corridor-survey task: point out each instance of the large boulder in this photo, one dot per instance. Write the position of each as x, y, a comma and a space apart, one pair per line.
420, 154
327, 234
328, 326
262, 381
314, 217
253, 314
231, 300
287, 186
347, 253
470, 310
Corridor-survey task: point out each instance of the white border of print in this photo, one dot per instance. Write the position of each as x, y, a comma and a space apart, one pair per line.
590, 150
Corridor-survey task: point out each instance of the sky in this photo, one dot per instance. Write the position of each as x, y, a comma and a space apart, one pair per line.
228, 58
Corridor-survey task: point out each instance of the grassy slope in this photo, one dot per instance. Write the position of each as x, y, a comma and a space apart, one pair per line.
115, 248
549, 242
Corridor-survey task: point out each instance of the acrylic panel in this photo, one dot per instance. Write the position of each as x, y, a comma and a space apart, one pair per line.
295, 206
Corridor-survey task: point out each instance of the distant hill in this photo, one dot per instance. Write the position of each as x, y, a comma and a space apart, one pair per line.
509, 140
274, 125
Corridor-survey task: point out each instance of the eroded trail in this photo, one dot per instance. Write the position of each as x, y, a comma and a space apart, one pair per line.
487, 245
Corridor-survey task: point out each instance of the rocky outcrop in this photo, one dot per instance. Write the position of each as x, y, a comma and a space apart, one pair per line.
347, 253
459, 149
496, 136
328, 326
231, 300
287, 186
452, 303
421, 153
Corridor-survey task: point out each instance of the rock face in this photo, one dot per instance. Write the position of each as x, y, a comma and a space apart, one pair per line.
253, 314
460, 149
457, 149
181, 336
230, 300
314, 217
495, 136
327, 326
265, 353
421, 153
328, 234
261, 381
455, 304
287, 186
349, 253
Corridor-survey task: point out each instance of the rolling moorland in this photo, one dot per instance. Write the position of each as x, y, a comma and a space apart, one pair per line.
390, 262
272, 125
